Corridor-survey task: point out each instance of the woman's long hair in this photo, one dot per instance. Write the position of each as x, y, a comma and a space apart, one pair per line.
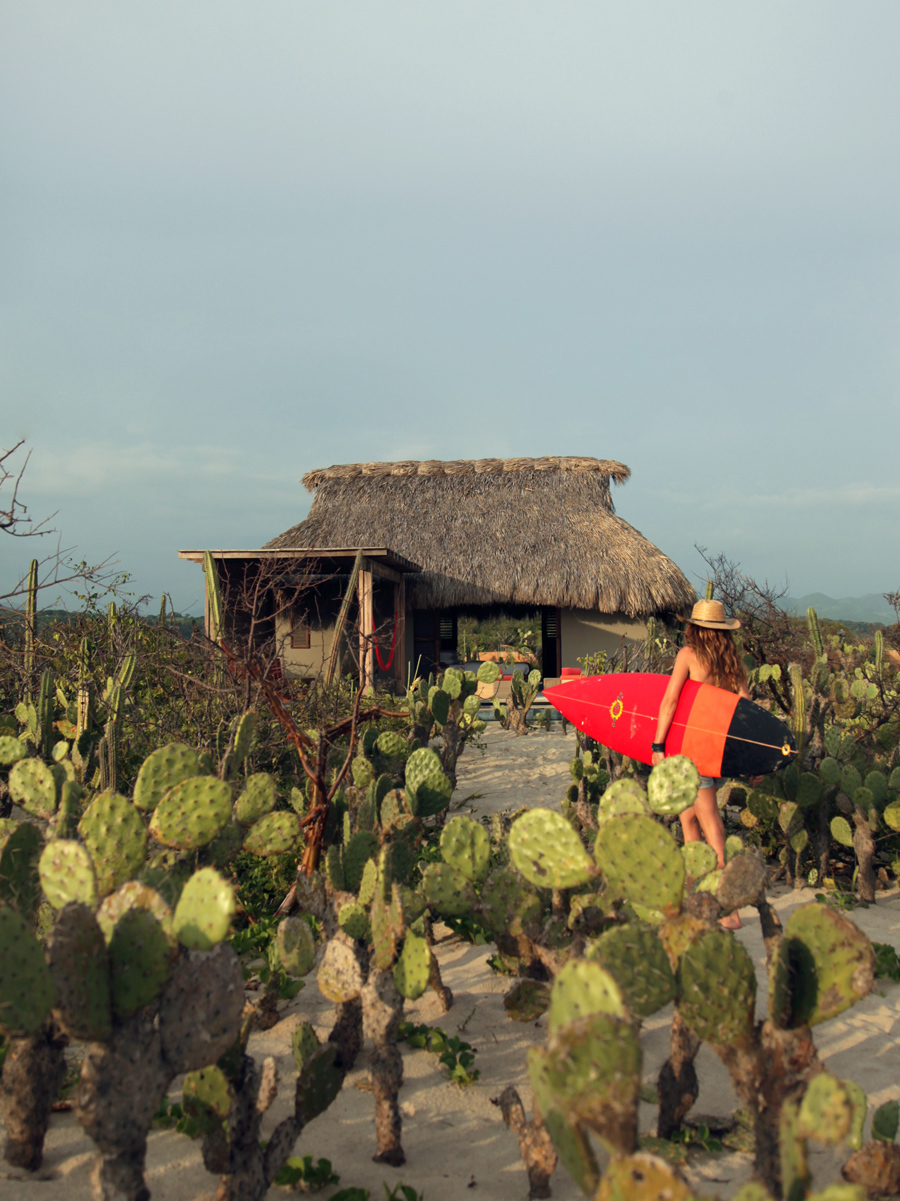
717, 652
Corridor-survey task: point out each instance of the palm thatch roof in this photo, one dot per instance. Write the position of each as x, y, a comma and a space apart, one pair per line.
493, 531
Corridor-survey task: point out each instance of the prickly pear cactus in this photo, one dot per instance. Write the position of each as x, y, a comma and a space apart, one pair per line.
258, 798
673, 786
141, 957
113, 832
824, 965
20, 850
67, 874
79, 964
635, 958
641, 863
413, 967
33, 786
274, 834
27, 991
296, 946
547, 851
162, 770
717, 987
465, 845
204, 911
582, 988
192, 813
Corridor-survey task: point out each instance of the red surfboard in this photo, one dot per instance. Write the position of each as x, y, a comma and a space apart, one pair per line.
724, 734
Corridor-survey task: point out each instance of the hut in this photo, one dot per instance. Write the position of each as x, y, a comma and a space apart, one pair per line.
480, 535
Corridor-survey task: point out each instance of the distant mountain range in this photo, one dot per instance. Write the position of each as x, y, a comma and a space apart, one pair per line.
872, 608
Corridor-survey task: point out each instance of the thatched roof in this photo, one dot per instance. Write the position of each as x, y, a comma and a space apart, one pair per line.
486, 531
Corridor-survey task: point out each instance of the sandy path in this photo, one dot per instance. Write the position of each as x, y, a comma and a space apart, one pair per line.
455, 1142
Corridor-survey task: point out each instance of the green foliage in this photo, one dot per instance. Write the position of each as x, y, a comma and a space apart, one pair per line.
301, 1173
456, 1055
887, 962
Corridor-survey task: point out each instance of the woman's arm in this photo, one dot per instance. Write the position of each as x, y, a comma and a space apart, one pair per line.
680, 673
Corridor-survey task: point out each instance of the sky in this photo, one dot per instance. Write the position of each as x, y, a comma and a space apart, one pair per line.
241, 241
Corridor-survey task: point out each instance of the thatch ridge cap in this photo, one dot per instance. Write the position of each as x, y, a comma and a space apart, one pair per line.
583, 464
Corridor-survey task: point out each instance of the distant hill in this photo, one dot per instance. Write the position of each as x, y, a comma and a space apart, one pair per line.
872, 609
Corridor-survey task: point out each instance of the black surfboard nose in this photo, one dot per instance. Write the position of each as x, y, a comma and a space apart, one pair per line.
757, 743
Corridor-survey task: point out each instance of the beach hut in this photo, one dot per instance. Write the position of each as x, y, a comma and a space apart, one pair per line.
480, 535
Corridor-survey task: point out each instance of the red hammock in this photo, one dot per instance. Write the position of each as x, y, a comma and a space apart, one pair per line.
385, 666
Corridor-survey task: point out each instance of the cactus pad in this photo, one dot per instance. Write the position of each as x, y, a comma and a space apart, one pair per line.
413, 969
625, 787
487, 673
340, 976
79, 965
296, 946
244, 735
207, 1097
447, 891
673, 786
112, 830
162, 770
67, 874
742, 882
593, 1070
581, 989
319, 1083
717, 988
303, 1042
830, 965
428, 790
569, 1137
140, 959
257, 799
825, 1111
363, 771
27, 991
353, 920
132, 895
439, 704
368, 883
361, 848
11, 750
841, 831
509, 906
192, 813
465, 845
641, 862
204, 910
20, 851
699, 859
273, 834
642, 1177
200, 1011
636, 959
32, 785
392, 745
547, 851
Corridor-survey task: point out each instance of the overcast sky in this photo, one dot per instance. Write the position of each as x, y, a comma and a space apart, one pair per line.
239, 241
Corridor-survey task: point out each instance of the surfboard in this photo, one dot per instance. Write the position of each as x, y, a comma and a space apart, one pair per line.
724, 734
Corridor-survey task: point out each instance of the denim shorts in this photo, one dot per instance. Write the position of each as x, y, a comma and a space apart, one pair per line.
708, 782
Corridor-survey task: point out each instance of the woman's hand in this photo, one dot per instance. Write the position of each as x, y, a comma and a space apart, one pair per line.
657, 758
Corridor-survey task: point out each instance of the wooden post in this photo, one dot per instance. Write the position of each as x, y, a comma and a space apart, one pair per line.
334, 657
400, 651
366, 639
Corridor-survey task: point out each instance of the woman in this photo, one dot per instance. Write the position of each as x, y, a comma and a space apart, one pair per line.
709, 656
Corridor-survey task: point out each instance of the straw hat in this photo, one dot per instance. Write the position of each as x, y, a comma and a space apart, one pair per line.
711, 615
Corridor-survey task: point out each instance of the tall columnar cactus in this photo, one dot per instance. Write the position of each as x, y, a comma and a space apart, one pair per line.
30, 629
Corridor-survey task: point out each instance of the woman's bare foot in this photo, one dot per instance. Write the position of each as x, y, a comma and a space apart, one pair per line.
731, 922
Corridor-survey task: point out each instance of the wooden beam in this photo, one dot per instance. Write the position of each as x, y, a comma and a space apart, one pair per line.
400, 649
366, 629
334, 657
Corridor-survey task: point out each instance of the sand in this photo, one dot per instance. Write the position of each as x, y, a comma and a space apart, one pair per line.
456, 1145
